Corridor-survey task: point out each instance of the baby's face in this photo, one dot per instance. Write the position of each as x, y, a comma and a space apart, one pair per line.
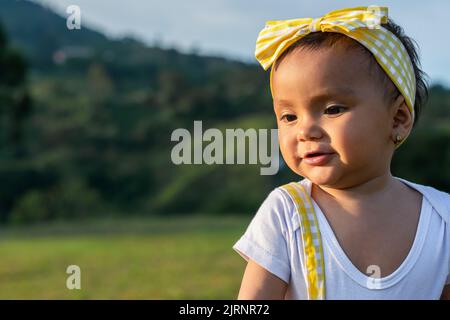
327, 100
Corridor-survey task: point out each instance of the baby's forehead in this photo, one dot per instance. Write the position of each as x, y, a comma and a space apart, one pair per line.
329, 66
336, 62
341, 55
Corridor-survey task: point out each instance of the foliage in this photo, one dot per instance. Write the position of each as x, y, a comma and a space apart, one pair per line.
98, 138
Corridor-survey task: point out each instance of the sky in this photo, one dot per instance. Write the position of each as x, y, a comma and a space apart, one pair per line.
229, 27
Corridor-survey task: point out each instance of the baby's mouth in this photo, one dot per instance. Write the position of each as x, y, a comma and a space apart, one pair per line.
317, 158
313, 155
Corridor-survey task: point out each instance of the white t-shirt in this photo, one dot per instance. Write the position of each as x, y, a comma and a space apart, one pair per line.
273, 240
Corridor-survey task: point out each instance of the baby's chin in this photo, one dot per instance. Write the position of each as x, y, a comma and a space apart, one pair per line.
322, 176
329, 175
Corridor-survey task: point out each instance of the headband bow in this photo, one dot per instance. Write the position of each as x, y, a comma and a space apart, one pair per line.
362, 24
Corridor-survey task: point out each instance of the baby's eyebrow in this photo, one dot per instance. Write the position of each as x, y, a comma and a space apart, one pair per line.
324, 94
282, 102
339, 91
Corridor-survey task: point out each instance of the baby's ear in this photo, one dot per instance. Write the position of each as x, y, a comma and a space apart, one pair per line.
402, 117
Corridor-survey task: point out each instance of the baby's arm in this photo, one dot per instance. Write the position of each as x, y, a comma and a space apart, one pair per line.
260, 284
446, 293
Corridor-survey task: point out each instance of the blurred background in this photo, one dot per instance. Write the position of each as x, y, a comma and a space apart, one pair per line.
85, 140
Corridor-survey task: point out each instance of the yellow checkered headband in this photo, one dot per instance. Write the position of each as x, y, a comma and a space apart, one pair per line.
362, 24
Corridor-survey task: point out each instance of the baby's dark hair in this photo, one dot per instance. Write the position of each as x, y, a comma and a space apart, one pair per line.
317, 40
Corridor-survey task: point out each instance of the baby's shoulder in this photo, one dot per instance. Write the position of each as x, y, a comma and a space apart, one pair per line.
441, 203
439, 200
279, 201
277, 208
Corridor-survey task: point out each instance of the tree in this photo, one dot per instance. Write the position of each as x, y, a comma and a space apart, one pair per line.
15, 101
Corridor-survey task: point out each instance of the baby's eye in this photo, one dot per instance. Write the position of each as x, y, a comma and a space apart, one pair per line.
334, 109
289, 117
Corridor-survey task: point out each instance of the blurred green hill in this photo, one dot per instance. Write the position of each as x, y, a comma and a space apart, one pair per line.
93, 135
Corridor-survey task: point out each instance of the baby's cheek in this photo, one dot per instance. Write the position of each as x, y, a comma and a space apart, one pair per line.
288, 148
354, 142
287, 144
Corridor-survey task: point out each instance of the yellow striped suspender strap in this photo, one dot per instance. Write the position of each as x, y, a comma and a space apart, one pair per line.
312, 240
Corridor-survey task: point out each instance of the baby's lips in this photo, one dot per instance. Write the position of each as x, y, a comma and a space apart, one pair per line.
317, 153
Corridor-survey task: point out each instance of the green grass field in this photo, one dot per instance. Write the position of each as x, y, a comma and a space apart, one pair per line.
137, 258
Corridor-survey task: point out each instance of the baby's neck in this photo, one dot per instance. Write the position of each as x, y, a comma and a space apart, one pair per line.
376, 192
